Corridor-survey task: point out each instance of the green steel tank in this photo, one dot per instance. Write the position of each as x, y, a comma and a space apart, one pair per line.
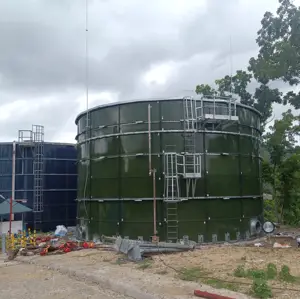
178, 168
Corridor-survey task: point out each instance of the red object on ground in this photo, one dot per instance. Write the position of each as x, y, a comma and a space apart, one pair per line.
207, 295
85, 245
67, 249
46, 239
44, 251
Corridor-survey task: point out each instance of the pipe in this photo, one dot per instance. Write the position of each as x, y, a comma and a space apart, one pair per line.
10, 214
208, 295
149, 138
154, 202
13, 185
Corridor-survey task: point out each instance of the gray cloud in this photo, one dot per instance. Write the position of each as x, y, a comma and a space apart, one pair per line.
42, 51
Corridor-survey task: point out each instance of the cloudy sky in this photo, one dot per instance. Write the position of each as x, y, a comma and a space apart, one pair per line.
137, 49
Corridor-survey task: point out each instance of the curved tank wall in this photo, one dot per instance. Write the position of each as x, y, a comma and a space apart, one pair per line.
59, 182
115, 194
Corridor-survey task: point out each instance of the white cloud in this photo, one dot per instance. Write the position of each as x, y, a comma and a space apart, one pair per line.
137, 50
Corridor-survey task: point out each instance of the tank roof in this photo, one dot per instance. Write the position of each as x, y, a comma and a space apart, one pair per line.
218, 99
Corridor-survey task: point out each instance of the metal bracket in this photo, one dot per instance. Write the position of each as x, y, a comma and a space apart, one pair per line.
185, 240
247, 235
200, 239
227, 237
214, 238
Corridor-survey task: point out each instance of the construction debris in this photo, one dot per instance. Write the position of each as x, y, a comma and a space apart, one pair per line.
44, 245
137, 250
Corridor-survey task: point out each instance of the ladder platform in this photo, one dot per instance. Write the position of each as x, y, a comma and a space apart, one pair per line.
172, 200
220, 117
192, 175
26, 143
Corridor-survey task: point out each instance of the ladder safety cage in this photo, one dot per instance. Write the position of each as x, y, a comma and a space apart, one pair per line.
211, 109
190, 113
171, 177
38, 168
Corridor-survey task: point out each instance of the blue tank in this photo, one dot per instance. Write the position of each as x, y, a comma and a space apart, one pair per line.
59, 184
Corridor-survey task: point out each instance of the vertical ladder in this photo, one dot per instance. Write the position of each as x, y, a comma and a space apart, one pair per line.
171, 195
38, 170
172, 221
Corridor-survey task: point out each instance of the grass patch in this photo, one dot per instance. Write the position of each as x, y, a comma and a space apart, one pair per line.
218, 284
120, 261
285, 274
145, 264
191, 274
257, 274
240, 271
260, 289
269, 273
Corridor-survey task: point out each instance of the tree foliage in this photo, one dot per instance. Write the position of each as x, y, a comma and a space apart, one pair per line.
278, 59
283, 167
279, 49
262, 99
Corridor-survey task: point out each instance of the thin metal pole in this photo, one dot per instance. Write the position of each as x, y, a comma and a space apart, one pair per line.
154, 202
3, 242
172, 171
10, 214
13, 184
13, 180
149, 138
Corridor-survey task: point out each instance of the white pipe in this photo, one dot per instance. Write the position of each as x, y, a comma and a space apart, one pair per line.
149, 138
13, 179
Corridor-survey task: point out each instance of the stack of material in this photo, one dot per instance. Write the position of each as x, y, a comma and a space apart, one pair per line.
50, 245
137, 250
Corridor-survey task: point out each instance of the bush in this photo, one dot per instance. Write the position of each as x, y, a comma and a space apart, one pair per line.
260, 289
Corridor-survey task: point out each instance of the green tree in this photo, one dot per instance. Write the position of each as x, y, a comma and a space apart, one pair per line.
205, 89
279, 49
262, 99
289, 177
280, 171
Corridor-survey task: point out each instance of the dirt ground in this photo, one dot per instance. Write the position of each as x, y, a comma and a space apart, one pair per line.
162, 274
20, 281
216, 263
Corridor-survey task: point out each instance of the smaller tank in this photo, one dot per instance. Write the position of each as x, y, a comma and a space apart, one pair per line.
45, 176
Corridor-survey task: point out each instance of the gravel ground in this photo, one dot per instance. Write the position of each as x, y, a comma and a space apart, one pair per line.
24, 281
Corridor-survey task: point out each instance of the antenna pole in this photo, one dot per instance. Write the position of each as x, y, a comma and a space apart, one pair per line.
87, 55
230, 57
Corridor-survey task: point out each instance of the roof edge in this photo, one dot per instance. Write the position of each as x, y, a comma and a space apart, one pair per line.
149, 100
